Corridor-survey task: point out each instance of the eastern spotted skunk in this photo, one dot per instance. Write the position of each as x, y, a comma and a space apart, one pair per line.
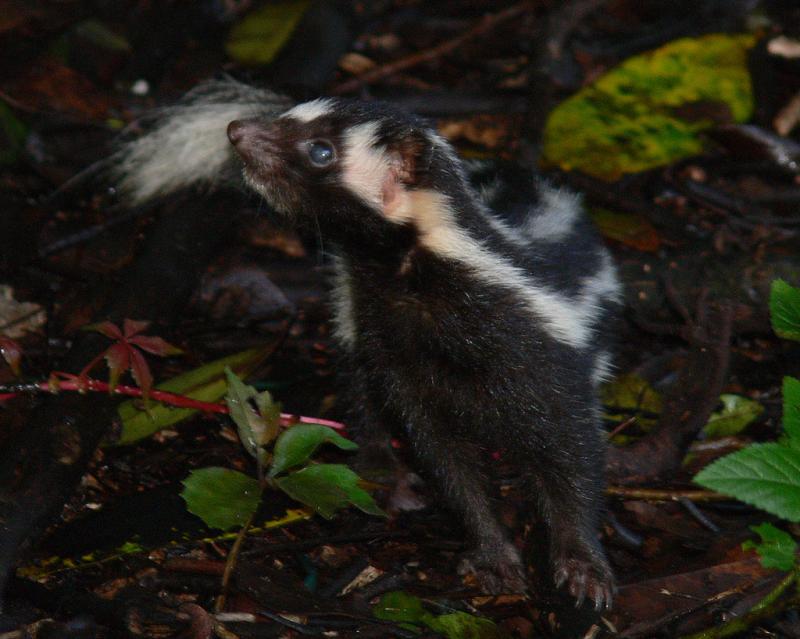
471, 313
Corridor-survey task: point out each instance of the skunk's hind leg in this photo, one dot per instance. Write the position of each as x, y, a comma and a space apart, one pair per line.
455, 466
566, 482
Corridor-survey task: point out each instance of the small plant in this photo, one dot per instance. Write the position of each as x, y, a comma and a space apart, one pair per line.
126, 352
768, 475
225, 498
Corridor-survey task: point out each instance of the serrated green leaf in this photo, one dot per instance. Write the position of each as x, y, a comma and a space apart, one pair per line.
327, 488
296, 444
462, 625
262, 33
221, 497
737, 413
776, 549
634, 117
255, 430
784, 309
791, 410
764, 475
206, 384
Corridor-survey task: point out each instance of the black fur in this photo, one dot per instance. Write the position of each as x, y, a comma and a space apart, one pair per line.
460, 366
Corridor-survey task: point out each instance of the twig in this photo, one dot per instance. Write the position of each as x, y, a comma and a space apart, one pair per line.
484, 25
625, 534
654, 494
230, 564
765, 608
308, 544
695, 512
622, 426
8, 391
303, 629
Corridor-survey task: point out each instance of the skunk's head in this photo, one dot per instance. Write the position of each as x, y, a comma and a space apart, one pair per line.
345, 162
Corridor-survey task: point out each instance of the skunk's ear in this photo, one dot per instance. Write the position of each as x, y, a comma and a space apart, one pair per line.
410, 159
413, 151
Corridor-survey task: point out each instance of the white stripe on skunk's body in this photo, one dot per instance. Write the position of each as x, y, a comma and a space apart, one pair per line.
555, 216
187, 145
570, 320
344, 324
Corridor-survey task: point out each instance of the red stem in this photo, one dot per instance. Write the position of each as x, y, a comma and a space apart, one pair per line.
173, 399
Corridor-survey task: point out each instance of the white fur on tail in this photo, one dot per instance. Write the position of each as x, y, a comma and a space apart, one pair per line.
188, 144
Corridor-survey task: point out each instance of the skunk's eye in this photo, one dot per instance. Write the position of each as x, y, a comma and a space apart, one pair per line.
321, 153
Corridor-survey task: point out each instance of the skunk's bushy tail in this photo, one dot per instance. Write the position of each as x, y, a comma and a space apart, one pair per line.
186, 143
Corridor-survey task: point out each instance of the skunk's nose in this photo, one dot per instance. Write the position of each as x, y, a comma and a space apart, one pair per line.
251, 139
236, 131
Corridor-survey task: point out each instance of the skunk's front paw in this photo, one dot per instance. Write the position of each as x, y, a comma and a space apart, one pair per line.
497, 568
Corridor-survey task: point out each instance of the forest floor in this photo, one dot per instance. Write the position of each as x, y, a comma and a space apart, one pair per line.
107, 547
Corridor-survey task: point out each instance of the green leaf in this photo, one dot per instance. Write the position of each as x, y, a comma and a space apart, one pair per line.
12, 135
255, 430
764, 475
400, 607
462, 625
405, 609
777, 548
791, 410
630, 395
784, 309
296, 444
328, 488
221, 497
206, 384
262, 33
737, 413
637, 116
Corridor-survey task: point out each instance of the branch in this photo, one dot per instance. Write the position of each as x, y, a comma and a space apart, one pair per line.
766, 608
484, 25
173, 399
653, 494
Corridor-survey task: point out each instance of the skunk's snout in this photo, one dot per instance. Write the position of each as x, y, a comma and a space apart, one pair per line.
236, 131
252, 141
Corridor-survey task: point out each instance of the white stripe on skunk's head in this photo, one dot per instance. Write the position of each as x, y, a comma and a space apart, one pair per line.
308, 111
334, 157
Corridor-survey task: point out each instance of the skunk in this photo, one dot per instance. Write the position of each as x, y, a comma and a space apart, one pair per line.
472, 303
